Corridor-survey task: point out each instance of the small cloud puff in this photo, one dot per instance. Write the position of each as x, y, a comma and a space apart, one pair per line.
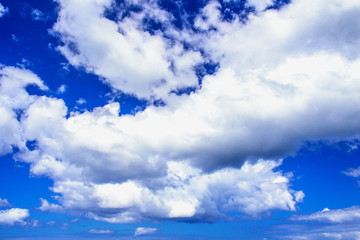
49, 207
13, 216
4, 203
80, 101
143, 231
62, 89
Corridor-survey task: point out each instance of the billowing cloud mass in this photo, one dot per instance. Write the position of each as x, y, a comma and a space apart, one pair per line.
351, 214
201, 154
129, 58
13, 216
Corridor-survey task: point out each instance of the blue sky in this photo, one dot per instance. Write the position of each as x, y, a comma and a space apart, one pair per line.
140, 119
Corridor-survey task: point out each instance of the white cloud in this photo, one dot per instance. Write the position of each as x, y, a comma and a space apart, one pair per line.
100, 231
13, 100
3, 10
4, 203
13, 82
13, 216
299, 196
80, 101
352, 172
49, 207
281, 81
144, 231
130, 59
331, 231
62, 89
350, 235
351, 214
260, 5
284, 89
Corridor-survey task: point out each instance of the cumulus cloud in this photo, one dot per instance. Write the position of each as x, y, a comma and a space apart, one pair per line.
130, 59
201, 155
352, 172
263, 104
13, 216
183, 193
4, 202
143, 231
13, 100
49, 207
351, 214
329, 231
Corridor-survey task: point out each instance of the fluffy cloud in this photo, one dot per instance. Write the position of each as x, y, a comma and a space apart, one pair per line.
351, 214
283, 90
130, 59
13, 100
13, 216
49, 207
183, 193
199, 156
143, 231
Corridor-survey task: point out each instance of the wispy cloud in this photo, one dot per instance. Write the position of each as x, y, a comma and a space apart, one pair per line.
352, 172
144, 231
62, 89
80, 101
101, 231
3, 10
351, 214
